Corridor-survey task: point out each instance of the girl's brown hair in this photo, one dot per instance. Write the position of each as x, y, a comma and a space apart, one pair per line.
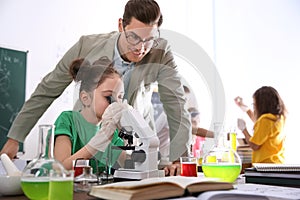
268, 100
91, 76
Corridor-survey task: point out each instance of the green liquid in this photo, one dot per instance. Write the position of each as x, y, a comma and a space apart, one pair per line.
61, 189
35, 188
226, 172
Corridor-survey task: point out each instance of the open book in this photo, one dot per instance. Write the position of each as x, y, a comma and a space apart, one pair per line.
158, 188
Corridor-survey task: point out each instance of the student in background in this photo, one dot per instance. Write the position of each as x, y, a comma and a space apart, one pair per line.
88, 132
192, 107
197, 141
162, 126
268, 140
141, 57
199, 134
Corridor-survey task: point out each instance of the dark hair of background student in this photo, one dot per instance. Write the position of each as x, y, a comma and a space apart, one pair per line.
268, 100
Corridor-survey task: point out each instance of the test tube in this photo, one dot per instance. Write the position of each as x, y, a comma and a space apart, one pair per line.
233, 140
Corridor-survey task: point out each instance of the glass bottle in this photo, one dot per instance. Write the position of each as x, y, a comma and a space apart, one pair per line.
86, 180
36, 175
221, 161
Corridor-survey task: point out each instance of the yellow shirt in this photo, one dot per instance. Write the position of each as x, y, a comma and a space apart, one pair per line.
269, 135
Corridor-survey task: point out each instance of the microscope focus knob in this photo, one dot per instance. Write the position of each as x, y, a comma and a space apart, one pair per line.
138, 156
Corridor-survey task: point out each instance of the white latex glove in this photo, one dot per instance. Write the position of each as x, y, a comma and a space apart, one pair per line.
239, 102
110, 122
241, 124
113, 112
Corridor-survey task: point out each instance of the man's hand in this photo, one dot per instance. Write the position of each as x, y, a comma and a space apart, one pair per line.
173, 169
11, 148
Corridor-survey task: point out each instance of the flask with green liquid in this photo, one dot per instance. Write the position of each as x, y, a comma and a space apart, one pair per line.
221, 162
36, 175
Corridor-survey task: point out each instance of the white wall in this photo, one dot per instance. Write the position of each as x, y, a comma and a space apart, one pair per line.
47, 29
253, 42
258, 43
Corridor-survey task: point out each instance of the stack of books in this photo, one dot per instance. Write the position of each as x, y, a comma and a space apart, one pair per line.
244, 151
274, 174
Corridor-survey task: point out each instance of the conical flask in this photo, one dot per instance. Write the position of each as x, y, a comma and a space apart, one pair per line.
221, 162
36, 175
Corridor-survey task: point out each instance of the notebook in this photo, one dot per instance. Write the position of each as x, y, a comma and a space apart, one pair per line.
272, 175
271, 167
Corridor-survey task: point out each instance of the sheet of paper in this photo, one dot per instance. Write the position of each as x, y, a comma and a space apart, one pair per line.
251, 191
269, 190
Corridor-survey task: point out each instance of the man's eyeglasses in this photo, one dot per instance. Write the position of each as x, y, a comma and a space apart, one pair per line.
134, 39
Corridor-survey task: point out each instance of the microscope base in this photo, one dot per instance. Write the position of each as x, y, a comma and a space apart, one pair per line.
138, 175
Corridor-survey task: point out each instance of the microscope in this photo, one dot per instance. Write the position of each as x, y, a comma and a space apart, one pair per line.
144, 155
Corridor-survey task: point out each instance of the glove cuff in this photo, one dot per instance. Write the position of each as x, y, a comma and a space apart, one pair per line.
94, 147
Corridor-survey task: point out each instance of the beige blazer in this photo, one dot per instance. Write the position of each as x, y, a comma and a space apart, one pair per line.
157, 66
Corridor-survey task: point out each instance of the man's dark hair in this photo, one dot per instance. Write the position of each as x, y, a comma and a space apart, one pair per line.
146, 11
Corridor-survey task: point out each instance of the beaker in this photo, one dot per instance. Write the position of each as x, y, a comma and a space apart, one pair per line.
61, 185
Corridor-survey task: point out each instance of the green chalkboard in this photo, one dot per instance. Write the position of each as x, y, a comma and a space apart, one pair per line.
12, 88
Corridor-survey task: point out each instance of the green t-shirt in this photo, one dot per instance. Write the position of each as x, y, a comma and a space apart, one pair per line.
72, 124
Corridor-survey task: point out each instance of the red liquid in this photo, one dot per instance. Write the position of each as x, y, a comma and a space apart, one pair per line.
78, 170
188, 169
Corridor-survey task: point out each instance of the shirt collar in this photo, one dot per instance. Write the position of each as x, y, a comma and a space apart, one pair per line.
118, 60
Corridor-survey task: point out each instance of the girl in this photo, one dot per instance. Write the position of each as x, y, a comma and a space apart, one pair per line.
77, 133
269, 118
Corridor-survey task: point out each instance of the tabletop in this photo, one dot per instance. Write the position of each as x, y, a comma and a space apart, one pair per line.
77, 196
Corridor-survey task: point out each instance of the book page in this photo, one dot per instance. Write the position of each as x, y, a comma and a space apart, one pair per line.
270, 190
253, 191
181, 181
158, 188
151, 192
231, 195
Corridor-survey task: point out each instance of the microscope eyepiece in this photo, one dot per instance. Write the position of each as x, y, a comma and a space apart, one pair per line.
110, 99
126, 136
